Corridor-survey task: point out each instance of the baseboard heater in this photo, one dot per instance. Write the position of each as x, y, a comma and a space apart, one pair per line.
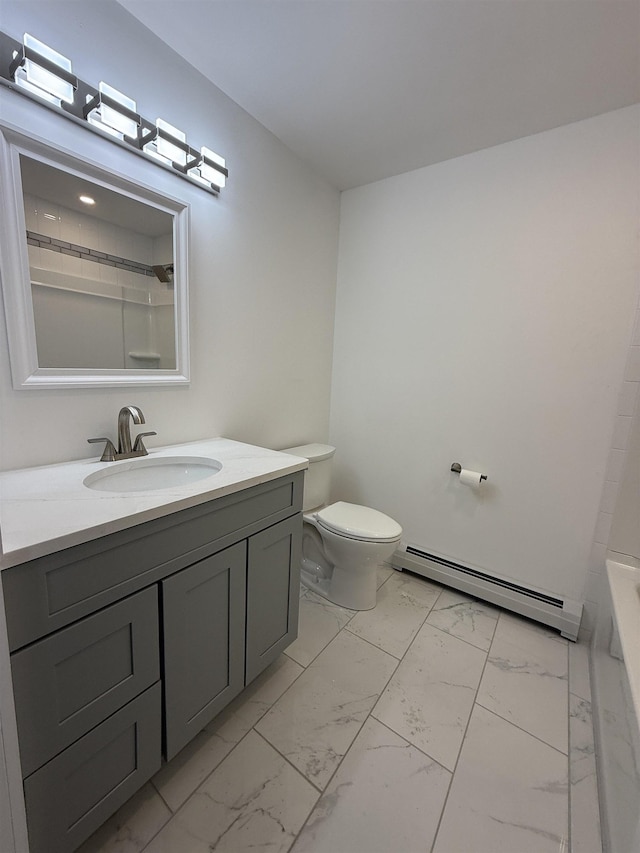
559, 613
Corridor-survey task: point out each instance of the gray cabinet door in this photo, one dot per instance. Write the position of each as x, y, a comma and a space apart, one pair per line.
69, 682
203, 612
273, 593
72, 795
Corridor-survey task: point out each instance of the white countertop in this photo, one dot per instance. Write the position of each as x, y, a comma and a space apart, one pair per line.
48, 508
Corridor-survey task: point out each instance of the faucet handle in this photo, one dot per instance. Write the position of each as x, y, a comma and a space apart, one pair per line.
109, 453
138, 445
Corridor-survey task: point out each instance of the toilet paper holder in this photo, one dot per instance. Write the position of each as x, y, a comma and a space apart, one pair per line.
456, 467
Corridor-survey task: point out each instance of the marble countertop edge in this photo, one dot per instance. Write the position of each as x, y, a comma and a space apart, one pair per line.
47, 509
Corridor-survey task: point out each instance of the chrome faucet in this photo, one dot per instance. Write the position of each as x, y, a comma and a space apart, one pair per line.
124, 428
125, 450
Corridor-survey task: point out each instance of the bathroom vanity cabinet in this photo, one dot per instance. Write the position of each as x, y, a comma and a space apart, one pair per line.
124, 647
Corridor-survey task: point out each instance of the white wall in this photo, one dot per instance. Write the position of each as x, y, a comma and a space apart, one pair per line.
617, 526
262, 261
625, 529
262, 275
484, 311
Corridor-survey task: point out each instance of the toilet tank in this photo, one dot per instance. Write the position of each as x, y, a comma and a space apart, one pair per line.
317, 480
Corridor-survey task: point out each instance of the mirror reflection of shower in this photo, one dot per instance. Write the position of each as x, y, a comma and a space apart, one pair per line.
101, 267
164, 273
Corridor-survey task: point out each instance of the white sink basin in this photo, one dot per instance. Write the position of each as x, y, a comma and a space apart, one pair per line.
148, 474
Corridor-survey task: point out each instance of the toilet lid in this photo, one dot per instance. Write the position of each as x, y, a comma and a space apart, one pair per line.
359, 522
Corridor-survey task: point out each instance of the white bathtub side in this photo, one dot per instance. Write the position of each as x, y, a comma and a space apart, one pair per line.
615, 678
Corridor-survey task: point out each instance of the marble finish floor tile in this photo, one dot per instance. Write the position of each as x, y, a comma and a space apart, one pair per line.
319, 622
526, 680
132, 826
585, 814
362, 753
404, 602
386, 796
178, 779
254, 800
317, 719
464, 617
429, 699
509, 793
619, 739
383, 573
579, 678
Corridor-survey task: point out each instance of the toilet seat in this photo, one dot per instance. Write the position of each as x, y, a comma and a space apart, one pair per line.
358, 522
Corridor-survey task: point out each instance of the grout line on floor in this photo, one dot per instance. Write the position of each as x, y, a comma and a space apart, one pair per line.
370, 714
291, 764
524, 731
412, 745
159, 792
462, 639
464, 737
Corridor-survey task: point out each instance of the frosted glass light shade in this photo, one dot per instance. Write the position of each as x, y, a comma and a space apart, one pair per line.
35, 69
205, 171
164, 148
41, 81
110, 118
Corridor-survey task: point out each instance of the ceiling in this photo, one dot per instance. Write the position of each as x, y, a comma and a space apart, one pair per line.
365, 89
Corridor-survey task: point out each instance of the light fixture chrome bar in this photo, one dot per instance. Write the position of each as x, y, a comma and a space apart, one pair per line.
209, 168
160, 133
29, 53
203, 168
43, 71
102, 99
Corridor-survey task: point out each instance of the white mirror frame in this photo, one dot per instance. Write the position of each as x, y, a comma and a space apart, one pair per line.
16, 279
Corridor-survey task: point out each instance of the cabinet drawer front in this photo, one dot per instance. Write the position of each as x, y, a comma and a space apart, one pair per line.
51, 592
69, 682
204, 620
72, 795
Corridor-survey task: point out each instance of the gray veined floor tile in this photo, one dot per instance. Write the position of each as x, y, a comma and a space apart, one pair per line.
583, 792
526, 680
383, 573
403, 604
464, 617
178, 779
132, 826
386, 796
429, 699
508, 795
319, 622
619, 735
579, 680
254, 800
315, 722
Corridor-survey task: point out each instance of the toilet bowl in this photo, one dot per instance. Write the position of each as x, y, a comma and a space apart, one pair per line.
343, 543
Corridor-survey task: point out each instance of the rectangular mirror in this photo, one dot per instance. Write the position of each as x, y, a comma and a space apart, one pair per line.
94, 274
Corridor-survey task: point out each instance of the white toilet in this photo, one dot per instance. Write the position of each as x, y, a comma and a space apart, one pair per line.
343, 543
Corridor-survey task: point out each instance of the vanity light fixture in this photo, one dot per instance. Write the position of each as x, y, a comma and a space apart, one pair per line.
32, 68
39, 69
112, 111
209, 169
167, 144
